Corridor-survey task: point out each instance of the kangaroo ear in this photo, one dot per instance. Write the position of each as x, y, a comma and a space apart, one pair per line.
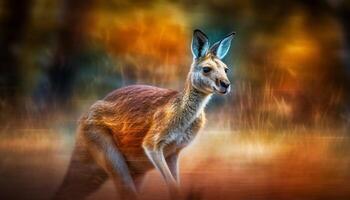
200, 44
221, 48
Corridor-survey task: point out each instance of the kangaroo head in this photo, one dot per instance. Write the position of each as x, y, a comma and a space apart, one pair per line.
208, 73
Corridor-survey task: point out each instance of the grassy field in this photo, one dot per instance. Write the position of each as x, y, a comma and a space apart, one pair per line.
289, 164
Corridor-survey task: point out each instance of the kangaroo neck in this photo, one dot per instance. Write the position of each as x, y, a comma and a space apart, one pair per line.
192, 102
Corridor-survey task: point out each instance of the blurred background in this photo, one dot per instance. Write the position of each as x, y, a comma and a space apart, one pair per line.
281, 134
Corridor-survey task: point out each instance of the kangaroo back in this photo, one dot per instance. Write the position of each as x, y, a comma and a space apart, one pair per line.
128, 113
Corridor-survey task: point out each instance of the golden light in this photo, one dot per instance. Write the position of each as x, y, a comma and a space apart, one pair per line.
153, 41
296, 49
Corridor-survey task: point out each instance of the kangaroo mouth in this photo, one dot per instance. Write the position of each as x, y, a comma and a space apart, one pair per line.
219, 91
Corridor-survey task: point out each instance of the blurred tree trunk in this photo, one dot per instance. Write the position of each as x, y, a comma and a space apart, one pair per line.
71, 43
14, 19
341, 10
344, 15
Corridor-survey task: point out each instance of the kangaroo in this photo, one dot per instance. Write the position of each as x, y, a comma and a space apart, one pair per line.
137, 128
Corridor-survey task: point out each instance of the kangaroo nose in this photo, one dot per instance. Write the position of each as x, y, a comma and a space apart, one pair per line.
224, 84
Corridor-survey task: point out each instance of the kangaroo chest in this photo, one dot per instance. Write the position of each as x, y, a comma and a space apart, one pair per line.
180, 137
177, 142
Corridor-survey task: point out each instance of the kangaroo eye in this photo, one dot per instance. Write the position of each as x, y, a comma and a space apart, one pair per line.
206, 69
226, 70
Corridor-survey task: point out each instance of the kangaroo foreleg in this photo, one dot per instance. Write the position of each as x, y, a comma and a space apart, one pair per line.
158, 160
173, 165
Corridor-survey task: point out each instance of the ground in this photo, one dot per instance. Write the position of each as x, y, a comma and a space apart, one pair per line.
254, 164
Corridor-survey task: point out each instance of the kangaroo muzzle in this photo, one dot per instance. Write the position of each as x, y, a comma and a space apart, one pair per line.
223, 86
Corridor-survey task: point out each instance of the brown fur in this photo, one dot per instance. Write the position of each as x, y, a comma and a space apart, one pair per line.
129, 113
